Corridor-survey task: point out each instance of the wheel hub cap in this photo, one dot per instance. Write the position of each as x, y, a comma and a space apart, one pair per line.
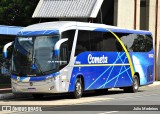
78, 88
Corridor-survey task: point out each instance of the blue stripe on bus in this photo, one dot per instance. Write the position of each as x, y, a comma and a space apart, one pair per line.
123, 31
5, 54
29, 78
131, 31
56, 52
33, 33
100, 30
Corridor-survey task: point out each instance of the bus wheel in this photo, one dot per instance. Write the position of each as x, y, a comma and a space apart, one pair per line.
38, 96
134, 88
78, 89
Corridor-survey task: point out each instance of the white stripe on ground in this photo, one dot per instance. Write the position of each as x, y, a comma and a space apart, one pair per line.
3, 89
154, 84
108, 112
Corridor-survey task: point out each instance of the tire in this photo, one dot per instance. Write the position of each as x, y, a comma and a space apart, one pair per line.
78, 89
38, 96
135, 86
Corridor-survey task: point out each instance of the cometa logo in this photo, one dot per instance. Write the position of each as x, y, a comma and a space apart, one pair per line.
97, 60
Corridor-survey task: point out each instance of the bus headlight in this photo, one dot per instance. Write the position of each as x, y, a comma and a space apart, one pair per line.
49, 79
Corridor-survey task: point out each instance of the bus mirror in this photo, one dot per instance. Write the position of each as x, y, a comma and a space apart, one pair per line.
5, 49
58, 45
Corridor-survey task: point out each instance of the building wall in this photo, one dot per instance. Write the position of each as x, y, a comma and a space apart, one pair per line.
158, 41
138, 15
152, 28
152, 15
125, 13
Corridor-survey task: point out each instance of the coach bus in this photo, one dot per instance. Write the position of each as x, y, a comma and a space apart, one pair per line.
64, 56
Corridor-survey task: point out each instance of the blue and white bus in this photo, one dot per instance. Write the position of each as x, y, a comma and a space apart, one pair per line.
64, 56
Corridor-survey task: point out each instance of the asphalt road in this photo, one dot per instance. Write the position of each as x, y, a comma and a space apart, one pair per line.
115, 101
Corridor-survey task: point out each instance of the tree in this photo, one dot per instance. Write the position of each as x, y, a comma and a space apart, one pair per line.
17, 12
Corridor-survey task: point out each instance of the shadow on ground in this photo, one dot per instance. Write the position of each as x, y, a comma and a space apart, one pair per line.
55, 97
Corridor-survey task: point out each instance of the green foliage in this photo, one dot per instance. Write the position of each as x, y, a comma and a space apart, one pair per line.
17, 12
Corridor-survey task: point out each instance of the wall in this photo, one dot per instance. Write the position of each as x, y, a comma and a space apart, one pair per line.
158, 41
125, 13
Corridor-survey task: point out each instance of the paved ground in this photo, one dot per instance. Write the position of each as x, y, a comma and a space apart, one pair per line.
94, 103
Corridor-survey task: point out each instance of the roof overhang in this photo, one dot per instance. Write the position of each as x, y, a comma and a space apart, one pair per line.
9, 30
67, 9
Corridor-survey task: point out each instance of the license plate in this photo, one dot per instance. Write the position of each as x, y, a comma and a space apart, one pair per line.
31, 89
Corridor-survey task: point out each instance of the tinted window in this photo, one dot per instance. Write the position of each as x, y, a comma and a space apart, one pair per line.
83, 42
137, 42
97, 41
149, 42
104, 41
70, 35
64, 55
110, 43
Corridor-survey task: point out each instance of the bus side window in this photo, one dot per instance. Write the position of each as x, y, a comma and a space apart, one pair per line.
63, 55
70, 35
83, 43
142, 43
137, 42
96, 41
127, 40
110, 43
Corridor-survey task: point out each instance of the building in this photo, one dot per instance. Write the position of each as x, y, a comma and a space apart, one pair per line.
131, 14
7, 34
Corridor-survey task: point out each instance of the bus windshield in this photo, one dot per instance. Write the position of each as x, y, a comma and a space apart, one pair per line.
32, 55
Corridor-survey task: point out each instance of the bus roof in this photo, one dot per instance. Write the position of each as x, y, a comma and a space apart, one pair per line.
59, 26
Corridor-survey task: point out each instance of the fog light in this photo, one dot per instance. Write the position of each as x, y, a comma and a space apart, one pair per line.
51, 88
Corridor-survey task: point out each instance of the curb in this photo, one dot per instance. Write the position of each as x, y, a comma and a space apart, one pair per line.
156, 83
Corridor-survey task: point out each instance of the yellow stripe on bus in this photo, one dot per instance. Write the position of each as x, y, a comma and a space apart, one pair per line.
89, 65
127, 53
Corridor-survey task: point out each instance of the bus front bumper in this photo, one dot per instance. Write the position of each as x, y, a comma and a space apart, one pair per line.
48, 86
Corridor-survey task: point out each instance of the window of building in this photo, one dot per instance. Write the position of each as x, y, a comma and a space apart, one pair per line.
144, 14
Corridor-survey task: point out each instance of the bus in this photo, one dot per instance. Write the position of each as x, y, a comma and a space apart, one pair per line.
66, 56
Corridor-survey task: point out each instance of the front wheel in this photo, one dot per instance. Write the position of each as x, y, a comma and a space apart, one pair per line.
134, 88
78, 89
